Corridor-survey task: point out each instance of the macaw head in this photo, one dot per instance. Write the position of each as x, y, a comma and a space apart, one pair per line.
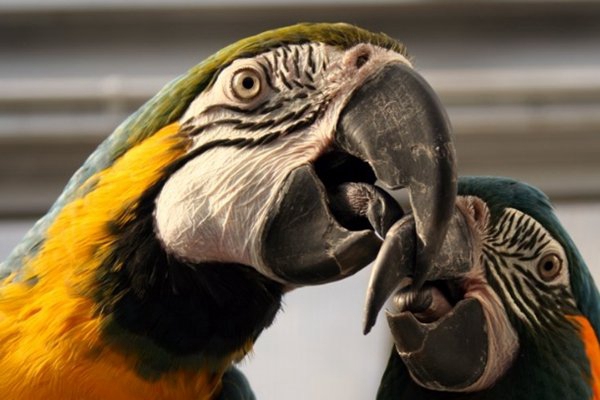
508, 307
250, 175
286, 144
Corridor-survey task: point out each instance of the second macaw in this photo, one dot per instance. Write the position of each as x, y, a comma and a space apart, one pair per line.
508, 309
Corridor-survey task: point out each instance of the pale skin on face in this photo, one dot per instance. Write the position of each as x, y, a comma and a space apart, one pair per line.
214, 207
503, 343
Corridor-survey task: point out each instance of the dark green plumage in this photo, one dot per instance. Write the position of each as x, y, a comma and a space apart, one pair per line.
550, 365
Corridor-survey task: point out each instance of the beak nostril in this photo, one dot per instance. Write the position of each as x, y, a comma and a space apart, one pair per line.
362, 60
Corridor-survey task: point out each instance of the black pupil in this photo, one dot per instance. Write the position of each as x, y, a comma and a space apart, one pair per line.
248, 83
548, 266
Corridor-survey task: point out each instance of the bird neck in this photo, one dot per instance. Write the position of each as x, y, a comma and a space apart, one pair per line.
177, 315
172, 314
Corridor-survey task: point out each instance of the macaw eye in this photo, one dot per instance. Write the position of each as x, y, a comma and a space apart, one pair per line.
246, 84
549, 266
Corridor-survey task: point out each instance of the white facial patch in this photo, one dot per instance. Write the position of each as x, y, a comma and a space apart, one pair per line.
324, 67
511, 254
214, 208
516, 247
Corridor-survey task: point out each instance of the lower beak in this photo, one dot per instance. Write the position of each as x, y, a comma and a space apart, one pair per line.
395, 123
440, 335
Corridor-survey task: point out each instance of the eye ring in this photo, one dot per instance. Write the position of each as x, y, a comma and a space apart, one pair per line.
549, 266
246, 84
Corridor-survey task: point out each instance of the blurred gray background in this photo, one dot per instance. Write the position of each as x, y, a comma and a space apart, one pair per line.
521, 82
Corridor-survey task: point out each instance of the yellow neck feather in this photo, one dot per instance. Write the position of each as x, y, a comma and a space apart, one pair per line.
50, 332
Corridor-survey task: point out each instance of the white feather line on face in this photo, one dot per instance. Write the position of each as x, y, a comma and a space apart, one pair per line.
214, 208
525, 258
503, 341
339, 75
220, 92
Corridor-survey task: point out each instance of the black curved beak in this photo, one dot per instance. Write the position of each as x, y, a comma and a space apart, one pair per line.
396, 264
396, 124
440, 334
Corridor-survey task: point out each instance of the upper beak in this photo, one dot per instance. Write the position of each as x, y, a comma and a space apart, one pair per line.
396, 124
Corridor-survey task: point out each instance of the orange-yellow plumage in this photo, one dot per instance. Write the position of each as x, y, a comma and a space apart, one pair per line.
50, 331
592, 350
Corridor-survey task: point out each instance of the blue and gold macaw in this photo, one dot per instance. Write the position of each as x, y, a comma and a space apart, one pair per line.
507, 308
169, 251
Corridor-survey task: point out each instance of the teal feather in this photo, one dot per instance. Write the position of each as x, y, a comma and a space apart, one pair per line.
235, 386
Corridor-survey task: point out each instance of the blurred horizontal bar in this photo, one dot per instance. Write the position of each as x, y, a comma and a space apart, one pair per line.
480, 102
15, 92
470, 86
482, 120
512, 85
555, 148
85, 6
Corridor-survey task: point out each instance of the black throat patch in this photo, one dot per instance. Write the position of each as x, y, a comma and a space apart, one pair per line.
170, 314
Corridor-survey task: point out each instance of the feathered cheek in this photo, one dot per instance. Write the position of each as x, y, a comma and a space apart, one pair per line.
213, 208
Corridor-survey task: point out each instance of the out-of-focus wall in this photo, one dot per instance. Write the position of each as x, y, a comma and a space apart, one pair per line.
521, 82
